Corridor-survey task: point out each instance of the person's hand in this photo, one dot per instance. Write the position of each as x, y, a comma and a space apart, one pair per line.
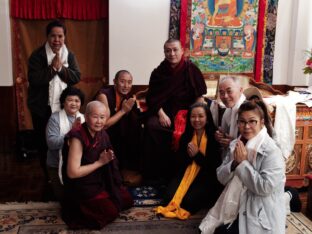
223, 138
77, 122
226, 140
240, 152
127, 105
164, 120
192, 149
106, 156
219, 135
56, 62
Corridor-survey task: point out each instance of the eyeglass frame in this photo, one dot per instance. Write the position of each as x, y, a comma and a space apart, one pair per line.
243, 123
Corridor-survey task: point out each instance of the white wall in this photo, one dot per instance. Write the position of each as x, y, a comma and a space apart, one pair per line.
137, 32
293, 38
6, 73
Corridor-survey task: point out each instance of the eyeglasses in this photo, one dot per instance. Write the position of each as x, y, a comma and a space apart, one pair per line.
243, 123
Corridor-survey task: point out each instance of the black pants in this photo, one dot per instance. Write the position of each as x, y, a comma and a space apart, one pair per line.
157, 159
39, 124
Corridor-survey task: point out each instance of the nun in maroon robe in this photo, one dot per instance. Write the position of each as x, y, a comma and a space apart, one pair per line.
95, 199
174, 85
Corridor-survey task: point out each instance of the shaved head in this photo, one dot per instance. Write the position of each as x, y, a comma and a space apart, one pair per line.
91, 106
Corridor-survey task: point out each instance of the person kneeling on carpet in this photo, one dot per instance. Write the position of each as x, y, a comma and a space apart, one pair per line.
253, 172
94, 194
198, 155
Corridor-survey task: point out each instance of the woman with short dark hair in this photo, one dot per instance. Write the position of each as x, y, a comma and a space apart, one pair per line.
58, 125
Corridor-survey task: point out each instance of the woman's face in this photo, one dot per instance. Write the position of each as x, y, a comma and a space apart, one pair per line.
249, 124
72, 105
96, 119
56, 38
198, 118
123, 83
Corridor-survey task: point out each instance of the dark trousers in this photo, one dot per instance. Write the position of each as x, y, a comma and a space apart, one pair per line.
39, 124
157, 160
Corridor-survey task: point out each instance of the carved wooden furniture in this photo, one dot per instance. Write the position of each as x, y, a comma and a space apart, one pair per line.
299, 164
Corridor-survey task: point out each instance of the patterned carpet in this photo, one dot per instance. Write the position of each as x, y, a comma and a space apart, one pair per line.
34, 217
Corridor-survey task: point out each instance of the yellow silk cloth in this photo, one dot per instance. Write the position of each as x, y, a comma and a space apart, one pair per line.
173, 209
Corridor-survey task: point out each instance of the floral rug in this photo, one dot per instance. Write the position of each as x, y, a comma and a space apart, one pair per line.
34, 217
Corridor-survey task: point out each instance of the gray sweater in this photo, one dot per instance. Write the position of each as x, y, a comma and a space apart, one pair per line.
54, 140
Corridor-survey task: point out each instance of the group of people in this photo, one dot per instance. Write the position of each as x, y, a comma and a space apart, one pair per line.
236, 170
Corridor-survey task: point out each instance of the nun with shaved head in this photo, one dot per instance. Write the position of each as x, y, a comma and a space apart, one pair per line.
94, 195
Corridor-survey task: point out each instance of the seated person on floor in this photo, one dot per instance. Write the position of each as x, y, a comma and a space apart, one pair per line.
60, 123
196, 185
253, 172
174, 85
94, 194
123, 125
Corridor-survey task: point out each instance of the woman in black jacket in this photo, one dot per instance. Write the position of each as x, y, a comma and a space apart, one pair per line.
196, 185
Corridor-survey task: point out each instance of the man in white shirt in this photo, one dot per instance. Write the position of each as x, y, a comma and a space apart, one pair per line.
231, 94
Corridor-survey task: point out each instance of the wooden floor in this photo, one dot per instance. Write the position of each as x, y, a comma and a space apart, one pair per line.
23, 180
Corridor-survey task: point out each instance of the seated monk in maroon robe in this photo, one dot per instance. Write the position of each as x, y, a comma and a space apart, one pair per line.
94, 195
123, 126
174, 85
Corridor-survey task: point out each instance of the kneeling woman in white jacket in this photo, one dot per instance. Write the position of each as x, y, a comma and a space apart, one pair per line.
254, 174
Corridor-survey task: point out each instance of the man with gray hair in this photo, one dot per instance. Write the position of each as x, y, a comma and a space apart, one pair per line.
231, 94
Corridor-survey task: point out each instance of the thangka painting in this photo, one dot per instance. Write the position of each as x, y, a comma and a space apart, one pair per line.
221, 35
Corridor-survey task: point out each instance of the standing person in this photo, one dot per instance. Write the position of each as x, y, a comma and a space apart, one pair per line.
254, 174
231, 94
60, 123
174, 85
51, 68
94, 195
196, 186
123, 125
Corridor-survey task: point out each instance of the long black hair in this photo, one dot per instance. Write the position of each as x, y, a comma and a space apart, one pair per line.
209, 128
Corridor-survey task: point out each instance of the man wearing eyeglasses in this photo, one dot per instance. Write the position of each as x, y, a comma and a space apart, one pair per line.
231, 94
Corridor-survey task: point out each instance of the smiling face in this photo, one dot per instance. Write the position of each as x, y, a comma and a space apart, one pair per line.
173, 53
56, 38
230, 92
96, 118
72, 105
198, 118
250, 124
123, 83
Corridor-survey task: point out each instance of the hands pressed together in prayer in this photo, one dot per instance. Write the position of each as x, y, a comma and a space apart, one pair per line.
164, 120
240, 152
56, 62
106, 156
127, 105
192, 149
223, 138
77, 122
